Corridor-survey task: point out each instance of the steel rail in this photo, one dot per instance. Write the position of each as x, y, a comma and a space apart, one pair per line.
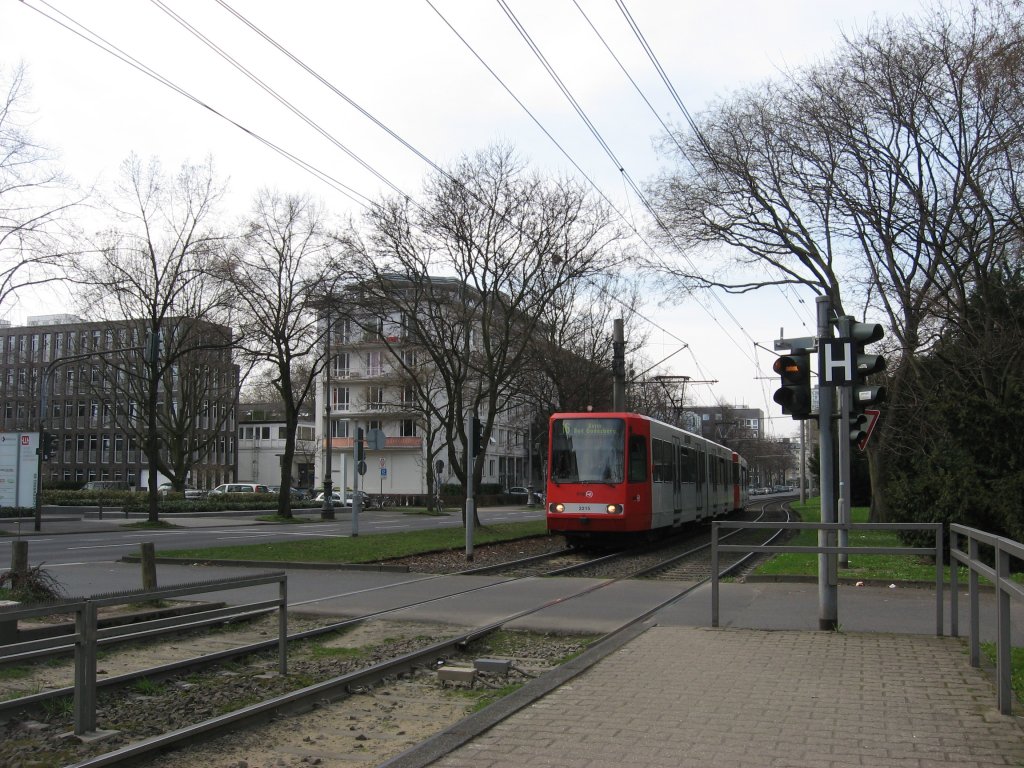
306, 698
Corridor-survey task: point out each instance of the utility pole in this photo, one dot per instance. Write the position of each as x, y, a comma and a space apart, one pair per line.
828, 590
327, 509
618, 366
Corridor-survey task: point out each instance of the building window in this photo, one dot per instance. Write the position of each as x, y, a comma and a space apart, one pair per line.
407, 428
341, 329
375, 397
340, 397
409, 396
375, 363
341, 363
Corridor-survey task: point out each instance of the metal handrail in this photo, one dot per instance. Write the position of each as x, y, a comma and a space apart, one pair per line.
935, 551
1005, 588
86, 636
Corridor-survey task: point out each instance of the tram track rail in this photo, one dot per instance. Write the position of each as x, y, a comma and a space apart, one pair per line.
306, 698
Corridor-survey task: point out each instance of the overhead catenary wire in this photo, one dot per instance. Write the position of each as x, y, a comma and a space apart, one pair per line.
277, 96
365, 202
618, 164
97, 40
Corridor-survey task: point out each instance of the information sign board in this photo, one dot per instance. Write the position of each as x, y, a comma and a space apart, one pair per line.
19, 469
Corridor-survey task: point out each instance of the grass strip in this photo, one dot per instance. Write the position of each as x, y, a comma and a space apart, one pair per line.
369, 548
888, 568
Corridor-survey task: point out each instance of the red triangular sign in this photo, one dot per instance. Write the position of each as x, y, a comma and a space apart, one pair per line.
872, 414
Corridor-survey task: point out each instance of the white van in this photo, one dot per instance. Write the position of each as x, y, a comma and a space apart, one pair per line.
239, 488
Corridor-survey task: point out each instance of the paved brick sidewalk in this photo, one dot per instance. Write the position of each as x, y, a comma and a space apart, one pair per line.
678, 696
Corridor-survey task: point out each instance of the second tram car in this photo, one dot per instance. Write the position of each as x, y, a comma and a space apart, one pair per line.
623, 473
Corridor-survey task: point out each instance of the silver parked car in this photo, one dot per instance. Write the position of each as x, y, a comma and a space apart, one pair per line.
239, 488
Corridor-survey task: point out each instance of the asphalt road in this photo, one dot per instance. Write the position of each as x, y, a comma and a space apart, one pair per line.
78, 541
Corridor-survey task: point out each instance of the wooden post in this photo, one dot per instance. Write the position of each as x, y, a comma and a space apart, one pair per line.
148, 566
19, 562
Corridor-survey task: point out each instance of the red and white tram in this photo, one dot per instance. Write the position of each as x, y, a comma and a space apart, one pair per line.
619, 473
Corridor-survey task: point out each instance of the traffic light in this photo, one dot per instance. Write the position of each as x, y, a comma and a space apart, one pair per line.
795, 393
49, 447
153, 347
476, 436
865, 364
858, 427
360, 445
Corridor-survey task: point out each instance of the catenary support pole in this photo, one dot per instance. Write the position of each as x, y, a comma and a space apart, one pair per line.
618, 366
470, 501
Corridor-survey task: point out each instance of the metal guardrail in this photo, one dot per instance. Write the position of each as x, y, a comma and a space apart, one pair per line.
87, 636
1003, 550
829, 529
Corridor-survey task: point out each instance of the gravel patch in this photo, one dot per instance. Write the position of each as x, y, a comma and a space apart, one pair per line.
365, 728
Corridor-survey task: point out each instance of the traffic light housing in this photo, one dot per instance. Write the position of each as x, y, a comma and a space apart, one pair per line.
865, 365
794, 395
360, 445
476, 437
153, 346
49, 446
858, 427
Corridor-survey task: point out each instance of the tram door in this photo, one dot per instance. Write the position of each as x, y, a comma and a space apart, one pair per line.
677, 484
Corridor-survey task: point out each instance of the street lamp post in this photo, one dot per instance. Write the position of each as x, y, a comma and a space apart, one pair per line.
44, 386
327, 510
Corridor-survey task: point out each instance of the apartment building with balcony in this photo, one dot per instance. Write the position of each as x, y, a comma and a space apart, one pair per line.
365, 386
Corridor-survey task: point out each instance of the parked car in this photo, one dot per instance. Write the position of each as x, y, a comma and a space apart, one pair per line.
239, 488
298, 494
191, 492
105, 485
347, 500
519, 492
335, 496
362, 495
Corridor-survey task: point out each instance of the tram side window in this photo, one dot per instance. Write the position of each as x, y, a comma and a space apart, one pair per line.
662, 466
687, 465
637, 459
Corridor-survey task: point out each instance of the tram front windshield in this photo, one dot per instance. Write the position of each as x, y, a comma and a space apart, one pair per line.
588, 450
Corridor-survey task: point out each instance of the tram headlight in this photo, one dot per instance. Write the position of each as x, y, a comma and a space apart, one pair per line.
614, 509
558, 507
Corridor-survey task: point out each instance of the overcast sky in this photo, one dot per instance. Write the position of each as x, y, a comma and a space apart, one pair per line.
402, 63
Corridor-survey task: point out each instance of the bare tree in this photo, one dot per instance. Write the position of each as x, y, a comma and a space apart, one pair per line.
467, 275
34, 199
279, 276
152, 268
888, 174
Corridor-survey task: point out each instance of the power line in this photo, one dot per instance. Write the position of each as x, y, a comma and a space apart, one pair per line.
277, 96
97, 40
